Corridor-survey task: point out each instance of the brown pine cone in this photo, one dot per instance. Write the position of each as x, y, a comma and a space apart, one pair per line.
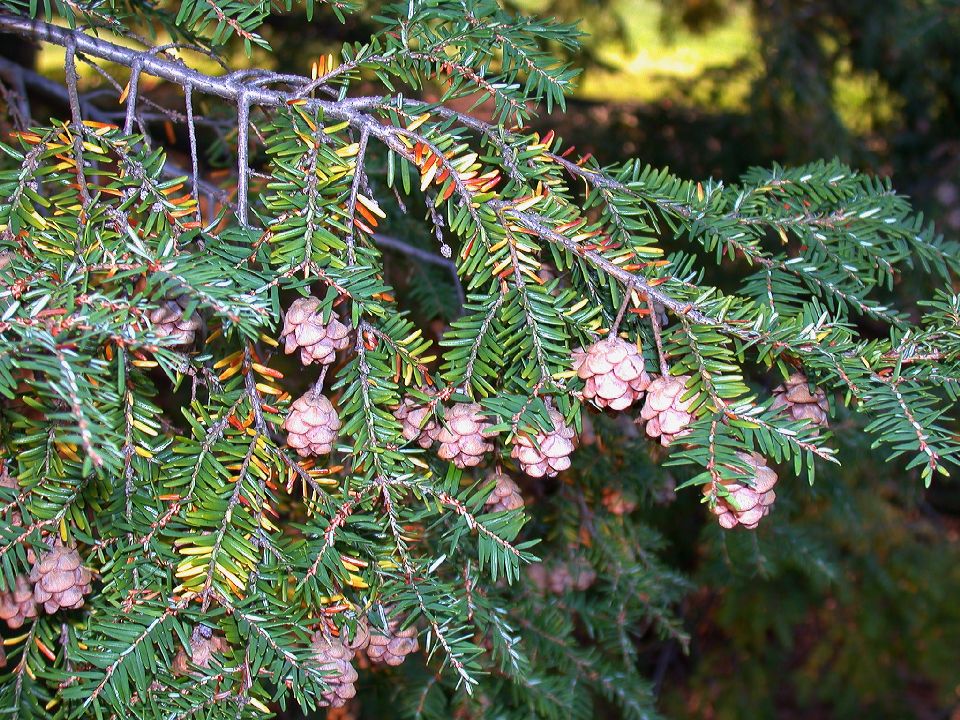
60, 580
340, 676
798, 402
203, 644
17, 604
613, 373
616, 502
666, 415
168, 321
506, 494
463, 435
417, 422
393, 647
547, 453
303, 328
745, 503
312, 425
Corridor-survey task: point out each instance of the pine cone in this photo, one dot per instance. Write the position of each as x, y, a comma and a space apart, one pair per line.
60, 580
17, 604
360, 638
462, 437
666, 415
393, 647
799, 403
613, 373
303, 328
616, 502
414, 420
168, 321
203, 644
505, 496
311, 425
339, 674
547, 453
745, 504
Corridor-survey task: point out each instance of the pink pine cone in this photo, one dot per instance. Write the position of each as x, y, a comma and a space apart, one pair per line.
547, 453
745, 503
463, 435
505, 496
312, 425
304, 329
667, 416
613, 373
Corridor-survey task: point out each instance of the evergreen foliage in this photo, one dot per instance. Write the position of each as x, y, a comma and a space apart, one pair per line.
163, 456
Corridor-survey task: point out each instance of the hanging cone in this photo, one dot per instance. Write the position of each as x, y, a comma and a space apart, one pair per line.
168, 321
60, 580
745, 503
666, 414
547, 453
799, 403
334, 658
463, 435
17, 604
416, 422
304, 330
506, 494
613, 373
360, 638
312, 425
392, 647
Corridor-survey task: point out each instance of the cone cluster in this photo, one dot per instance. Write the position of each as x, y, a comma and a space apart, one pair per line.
796, 400
334, 659
545, 453
416, 422
463, 437
304, 330
393, 646
613, 373
168, 321
666, 414
505, 496
312, 425
60, 580
745, 503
